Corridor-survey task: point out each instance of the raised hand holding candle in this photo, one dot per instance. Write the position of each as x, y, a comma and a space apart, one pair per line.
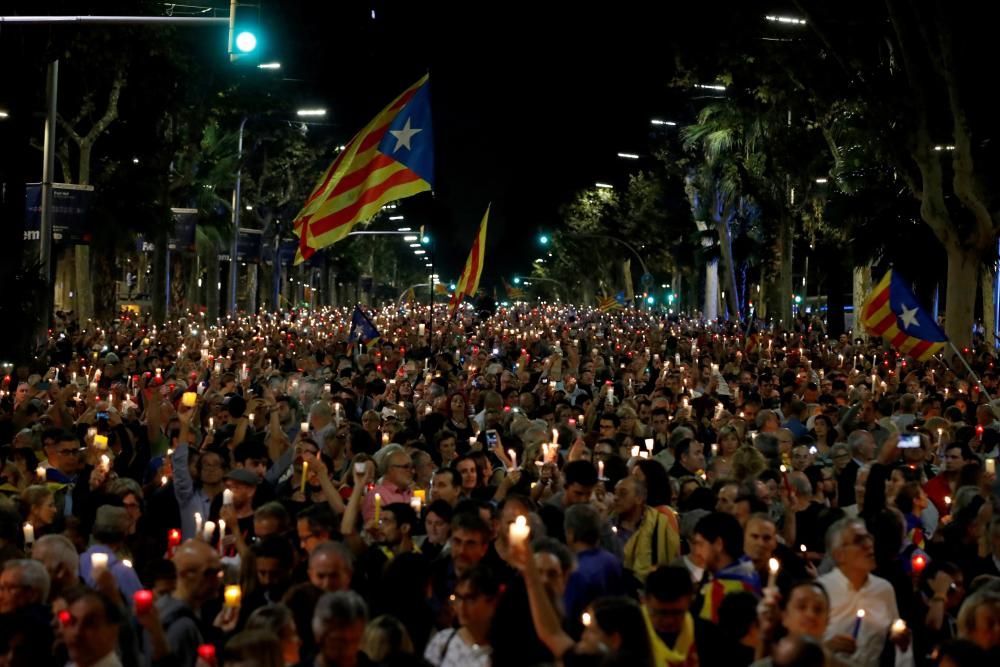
208, 531
143, 601
772, 567
856, 630
98, 562
519, 530
233, 596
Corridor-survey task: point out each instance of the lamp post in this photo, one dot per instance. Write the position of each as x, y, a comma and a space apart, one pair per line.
544, 240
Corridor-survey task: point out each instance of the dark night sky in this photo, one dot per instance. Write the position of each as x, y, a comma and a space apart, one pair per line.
529, 104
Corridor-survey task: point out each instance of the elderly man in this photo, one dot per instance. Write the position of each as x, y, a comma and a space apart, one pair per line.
323, 427
852, 587
199, 578
24, 588
647, 538
397, 476
62, 562
338, 624
331, 567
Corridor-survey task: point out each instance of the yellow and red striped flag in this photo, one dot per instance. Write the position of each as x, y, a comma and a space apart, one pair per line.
893, 312
468, 282
390, 158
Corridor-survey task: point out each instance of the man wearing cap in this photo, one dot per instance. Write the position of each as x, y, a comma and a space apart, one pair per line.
239, 517
110, 528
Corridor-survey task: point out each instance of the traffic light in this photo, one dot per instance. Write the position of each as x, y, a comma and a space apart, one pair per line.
543, 239
517, 280
244, 30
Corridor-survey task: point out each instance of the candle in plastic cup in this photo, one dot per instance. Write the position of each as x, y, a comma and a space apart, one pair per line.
304, 426
519, 530
40, 473
898, 627
513, 458
208, 531
416, 503
143, 601
420, 493
173, 537
649, 444
101, 441
189, 399
635, 451
360, 467
227, 497
98, 562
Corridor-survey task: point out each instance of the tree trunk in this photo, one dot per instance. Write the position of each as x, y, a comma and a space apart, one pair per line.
158, 285
862, 287
84, 286
987, 277
627, 279
725, 244
784, 263
252, 288
711, 310
960, 299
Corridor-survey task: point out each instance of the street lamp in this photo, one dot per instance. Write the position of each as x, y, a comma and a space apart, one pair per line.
629, 156
657, 121
604, 186
543, 239
305, 113
269, 66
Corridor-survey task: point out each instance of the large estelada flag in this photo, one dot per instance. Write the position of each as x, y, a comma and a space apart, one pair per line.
611, 303
893, 312
468, 282
390, 158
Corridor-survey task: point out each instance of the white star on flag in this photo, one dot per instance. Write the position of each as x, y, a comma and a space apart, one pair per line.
403, 136
909, 317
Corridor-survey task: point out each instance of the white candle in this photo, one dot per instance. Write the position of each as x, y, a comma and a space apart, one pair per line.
222, 533
227, 497
197, 523
600, 470
649, 445
29, 534
98, 562
555, 435
209, 530
991, 466
773, 566
304, 426
519, 530
211, 424
513, 459
105, 463
421, 328
416, 503
635, 451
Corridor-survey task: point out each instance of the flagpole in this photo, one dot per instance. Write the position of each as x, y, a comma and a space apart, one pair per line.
969, 368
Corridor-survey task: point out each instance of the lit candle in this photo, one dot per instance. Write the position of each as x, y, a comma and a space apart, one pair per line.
385, 439
947, 501
29, 534
211, 424
233, 595
227, 497
304, 427
898, 627
991, 466
163, 480
126, 562
635, 451
600, 469
585, 619
208, 531
715, 449
513, 459
857, 624
98, 562
472, 441
305, 475
197, 523
772, 566
918, 563
421, 328
189, 399
143, 601
101, 441
420, 493
173, 537
222, 533
519, 530
40, 473
378, 506
649, 445
555, 433
416, 503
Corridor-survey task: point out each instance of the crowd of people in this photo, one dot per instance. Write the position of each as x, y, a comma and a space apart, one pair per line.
543, 486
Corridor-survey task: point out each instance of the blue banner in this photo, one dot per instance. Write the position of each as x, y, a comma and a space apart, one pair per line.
69, 213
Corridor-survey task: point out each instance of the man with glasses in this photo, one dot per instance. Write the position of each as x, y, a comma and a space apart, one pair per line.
199, 578
64, 462
24, 588
397, 478
851, 587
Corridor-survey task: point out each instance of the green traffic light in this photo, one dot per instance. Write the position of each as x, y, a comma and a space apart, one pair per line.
650, 300
425, 239
543, 239
517, 280
452, 287
246, 41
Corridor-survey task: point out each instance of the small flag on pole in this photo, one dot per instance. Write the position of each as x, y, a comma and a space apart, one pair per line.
468, 282
362, 328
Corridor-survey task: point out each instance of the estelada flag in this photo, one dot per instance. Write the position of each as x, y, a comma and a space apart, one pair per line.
390, 158
514, 293
893, 312
468, 282
609, 304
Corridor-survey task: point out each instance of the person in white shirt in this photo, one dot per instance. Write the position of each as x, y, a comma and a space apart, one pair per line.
852, 588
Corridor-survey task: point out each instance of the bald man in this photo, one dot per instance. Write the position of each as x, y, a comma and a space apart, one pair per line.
199, 578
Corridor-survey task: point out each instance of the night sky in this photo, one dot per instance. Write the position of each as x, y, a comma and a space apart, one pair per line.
530, 105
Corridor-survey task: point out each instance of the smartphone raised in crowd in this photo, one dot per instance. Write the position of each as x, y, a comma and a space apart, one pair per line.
491, 438
909, 441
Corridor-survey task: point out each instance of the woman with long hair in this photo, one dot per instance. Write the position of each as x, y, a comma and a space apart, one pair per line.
38, 507
824, 433
458, 420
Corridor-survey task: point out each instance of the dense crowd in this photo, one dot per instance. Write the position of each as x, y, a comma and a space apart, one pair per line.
546, 485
